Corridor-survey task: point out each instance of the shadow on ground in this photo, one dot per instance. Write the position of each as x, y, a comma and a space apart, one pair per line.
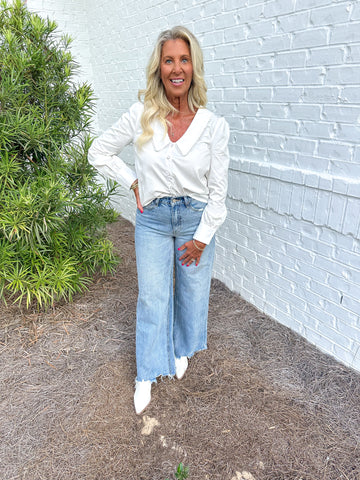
259, 404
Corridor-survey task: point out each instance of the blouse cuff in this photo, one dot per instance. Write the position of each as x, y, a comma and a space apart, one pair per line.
129, 179
204, 233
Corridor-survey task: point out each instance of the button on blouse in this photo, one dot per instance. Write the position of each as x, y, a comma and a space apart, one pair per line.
195, 166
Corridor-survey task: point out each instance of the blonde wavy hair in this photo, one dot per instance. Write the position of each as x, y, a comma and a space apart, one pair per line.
156, 104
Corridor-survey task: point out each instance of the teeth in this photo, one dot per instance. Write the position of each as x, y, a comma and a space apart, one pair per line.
177, 81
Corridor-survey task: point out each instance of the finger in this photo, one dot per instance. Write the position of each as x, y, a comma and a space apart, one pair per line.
185, 258
138, 201
197, 260
186, 252
190, 260
140, 207
188, 256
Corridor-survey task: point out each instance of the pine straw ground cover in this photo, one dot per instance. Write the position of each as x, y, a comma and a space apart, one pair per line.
260, 403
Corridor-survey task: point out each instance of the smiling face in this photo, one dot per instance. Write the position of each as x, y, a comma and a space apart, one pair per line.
176, 69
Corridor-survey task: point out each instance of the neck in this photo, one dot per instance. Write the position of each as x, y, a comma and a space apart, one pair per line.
180, 103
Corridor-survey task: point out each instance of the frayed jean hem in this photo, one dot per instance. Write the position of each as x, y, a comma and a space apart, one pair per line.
190, 355
158, 377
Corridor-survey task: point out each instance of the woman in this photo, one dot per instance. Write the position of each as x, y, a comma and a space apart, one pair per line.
180, 187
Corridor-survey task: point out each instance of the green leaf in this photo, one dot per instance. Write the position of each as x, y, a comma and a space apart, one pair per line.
182, 472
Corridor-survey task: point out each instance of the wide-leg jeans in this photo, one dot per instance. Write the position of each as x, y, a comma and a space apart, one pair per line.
171, 318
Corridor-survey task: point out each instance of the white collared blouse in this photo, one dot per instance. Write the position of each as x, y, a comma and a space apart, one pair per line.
195, 166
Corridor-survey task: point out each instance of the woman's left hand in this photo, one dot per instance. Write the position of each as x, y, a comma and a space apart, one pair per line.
191, 254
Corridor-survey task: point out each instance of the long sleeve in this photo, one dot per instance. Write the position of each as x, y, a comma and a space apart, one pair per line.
104, 151
215, 211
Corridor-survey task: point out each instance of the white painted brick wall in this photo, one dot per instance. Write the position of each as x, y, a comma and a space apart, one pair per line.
71, 19
285, 74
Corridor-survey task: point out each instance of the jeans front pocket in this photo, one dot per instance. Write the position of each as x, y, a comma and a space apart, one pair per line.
196, 205
152, 205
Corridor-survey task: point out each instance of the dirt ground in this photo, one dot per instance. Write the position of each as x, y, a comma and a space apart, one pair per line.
259, 404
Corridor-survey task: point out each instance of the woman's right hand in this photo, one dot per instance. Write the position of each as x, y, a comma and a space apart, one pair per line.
137, 196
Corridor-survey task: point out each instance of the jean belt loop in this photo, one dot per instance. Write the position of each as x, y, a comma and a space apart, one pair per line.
187, 201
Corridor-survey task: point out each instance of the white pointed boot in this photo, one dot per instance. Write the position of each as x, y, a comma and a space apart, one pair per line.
181, 365
142, 395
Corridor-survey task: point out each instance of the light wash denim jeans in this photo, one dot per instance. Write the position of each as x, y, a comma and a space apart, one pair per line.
171, 319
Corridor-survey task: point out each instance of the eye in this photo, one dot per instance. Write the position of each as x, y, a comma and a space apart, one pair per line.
168, 60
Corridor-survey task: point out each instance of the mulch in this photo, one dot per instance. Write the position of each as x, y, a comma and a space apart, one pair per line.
260, 404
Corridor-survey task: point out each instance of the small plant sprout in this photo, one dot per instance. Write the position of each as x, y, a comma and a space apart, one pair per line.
182, 472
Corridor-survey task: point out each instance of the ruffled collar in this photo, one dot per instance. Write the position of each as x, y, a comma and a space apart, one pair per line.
161, 140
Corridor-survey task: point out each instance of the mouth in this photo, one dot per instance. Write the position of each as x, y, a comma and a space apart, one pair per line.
177, 81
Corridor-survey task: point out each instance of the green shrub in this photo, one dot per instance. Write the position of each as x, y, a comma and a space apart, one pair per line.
182, 472
53, 212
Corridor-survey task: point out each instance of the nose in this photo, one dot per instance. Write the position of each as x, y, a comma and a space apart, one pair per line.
177, 67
